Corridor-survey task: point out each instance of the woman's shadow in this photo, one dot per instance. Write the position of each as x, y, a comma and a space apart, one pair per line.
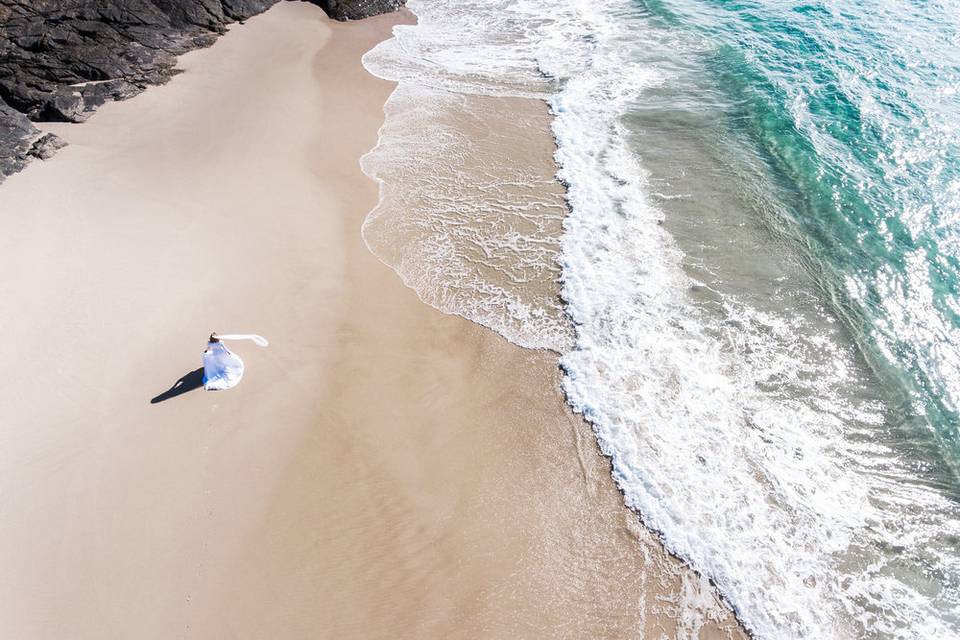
189, 382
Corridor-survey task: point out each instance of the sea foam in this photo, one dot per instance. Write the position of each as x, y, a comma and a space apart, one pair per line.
470, 213
751, 437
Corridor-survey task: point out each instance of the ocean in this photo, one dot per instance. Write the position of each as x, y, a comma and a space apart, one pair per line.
750, 275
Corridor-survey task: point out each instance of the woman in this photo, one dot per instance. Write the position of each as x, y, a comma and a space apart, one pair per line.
223, 369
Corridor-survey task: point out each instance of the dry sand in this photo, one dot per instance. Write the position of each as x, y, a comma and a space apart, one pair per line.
383, 471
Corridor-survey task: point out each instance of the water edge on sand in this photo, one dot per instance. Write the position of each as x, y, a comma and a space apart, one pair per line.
384, 470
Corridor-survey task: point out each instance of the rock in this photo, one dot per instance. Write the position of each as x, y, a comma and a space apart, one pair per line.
62, 59
54, 53
357, 9
16, 136
46, 145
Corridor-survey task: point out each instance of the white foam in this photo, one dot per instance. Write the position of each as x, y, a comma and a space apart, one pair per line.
733, 433
727, 432
473, 231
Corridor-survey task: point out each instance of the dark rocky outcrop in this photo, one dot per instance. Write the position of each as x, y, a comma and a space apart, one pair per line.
45, 146
62, 59
357, 9
16, 137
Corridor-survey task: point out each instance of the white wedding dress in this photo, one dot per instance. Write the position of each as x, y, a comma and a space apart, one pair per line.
222, 368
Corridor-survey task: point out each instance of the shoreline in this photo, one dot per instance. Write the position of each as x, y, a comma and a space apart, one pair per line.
538, 159
384, 470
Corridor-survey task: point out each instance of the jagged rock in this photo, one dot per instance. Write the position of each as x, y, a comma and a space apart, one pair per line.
54, 53
62, 59
16, 136
45, 146
358, 9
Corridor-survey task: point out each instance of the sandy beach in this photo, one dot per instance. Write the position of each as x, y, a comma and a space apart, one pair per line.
383, 471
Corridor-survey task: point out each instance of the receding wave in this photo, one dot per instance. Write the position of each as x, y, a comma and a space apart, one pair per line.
778, 413
470, 212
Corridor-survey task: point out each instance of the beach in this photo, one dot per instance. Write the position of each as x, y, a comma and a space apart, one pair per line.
384, 470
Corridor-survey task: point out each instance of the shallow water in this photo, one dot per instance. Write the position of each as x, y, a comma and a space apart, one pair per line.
760, 263
470, 214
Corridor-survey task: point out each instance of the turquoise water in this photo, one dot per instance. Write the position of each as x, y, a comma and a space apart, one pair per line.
761, 263
759, 273
822, 141
855, 108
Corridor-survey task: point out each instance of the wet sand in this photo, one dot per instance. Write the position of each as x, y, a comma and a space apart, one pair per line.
382, 471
